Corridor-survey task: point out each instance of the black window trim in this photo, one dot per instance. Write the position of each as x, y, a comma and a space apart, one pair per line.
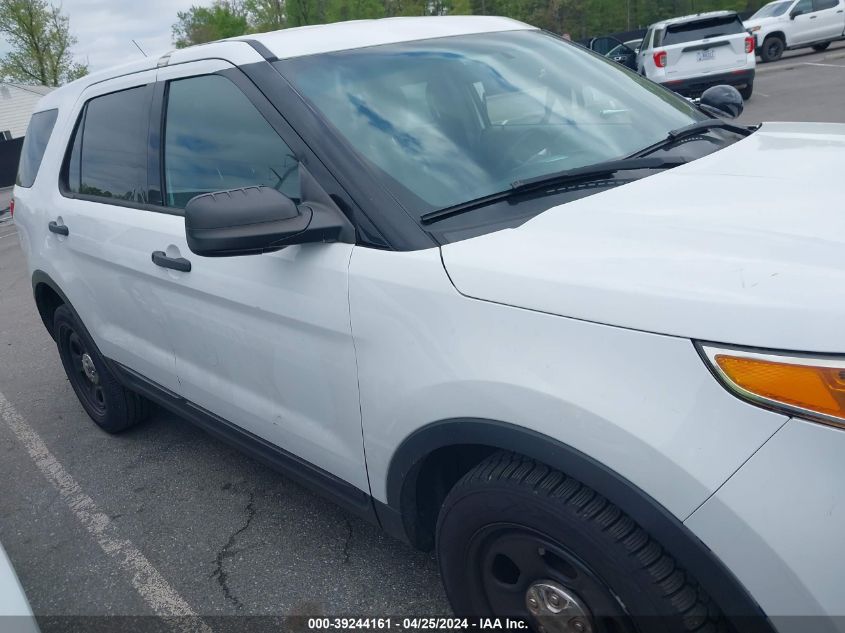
252, 80
367, 233
253, 95
65, 191
379, 219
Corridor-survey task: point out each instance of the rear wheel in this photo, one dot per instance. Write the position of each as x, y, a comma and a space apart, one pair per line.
113, 407
821, 47
772, 49
747, 91
518, 539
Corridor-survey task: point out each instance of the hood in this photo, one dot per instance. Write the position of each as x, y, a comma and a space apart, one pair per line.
744, 246
752, 22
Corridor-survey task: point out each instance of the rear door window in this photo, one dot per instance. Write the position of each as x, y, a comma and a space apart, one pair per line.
702, 29
37, 134
215, 139
108, 156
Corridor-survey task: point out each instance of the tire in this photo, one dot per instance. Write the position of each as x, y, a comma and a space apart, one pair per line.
112, 407
511, 522
747, 91
821, 47
772, 48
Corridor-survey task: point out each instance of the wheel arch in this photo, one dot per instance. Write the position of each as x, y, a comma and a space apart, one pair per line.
415, 471
779, 34
48, 297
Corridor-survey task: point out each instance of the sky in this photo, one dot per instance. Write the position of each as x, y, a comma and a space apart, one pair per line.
105, 28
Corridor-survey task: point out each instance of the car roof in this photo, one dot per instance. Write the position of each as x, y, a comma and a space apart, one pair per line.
691, 18
325, 38
297, 42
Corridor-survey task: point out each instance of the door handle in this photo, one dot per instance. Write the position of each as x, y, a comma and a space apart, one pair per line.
160, 258
58, 229
813, 17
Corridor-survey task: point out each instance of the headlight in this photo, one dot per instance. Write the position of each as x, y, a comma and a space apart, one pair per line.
753, 29
809, 387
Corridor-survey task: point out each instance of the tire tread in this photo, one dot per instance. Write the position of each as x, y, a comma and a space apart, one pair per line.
675, 586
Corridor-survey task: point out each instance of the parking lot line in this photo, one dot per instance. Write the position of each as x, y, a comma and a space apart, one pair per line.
827, 65
148, 582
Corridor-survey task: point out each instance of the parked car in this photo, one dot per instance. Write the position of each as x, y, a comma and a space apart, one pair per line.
15, 613
790, 24
634, 44
614, 49
692, 53
497, 295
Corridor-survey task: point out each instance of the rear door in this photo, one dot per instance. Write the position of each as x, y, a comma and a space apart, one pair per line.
707, 46
830, 21
111, 231
805, 21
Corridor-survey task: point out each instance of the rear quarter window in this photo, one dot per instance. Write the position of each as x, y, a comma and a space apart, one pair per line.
35, 142
702, 29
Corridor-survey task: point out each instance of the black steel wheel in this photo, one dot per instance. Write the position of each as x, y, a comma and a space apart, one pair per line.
518, 539
113, 407
525, 574
84, 376
772, 49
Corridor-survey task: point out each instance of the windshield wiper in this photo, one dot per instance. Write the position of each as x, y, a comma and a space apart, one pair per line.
691, 130
578, 175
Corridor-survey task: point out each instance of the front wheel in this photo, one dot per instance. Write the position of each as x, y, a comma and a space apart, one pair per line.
517, 539
821, 47
113, 407
772, 49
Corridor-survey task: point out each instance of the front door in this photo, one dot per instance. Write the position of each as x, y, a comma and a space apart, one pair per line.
263, 341
805, 23
831, 20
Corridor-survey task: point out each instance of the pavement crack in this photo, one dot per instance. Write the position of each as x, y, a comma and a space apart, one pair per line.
347, 542
227, 552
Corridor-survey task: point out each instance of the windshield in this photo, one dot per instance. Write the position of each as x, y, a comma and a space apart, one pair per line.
772, 10
454, 119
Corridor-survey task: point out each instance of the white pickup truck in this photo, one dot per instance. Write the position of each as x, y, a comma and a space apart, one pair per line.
787, 24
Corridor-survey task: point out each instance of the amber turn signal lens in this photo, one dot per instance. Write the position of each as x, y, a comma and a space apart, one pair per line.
810, 387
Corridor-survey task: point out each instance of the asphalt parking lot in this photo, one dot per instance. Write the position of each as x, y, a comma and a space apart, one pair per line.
803, 86
165, 517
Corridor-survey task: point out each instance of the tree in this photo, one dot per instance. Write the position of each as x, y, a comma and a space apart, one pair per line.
40, 39
266, 15
197, 25
339, 10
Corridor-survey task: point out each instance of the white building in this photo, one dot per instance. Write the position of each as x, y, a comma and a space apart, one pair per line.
17, 101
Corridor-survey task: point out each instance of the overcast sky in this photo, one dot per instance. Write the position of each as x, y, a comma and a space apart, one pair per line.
105, 28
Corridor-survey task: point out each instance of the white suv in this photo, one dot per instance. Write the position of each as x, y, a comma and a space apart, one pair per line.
695, 52
485, 288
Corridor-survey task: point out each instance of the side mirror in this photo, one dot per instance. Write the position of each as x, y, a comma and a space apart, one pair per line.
256, 220
795, 13
722, 101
